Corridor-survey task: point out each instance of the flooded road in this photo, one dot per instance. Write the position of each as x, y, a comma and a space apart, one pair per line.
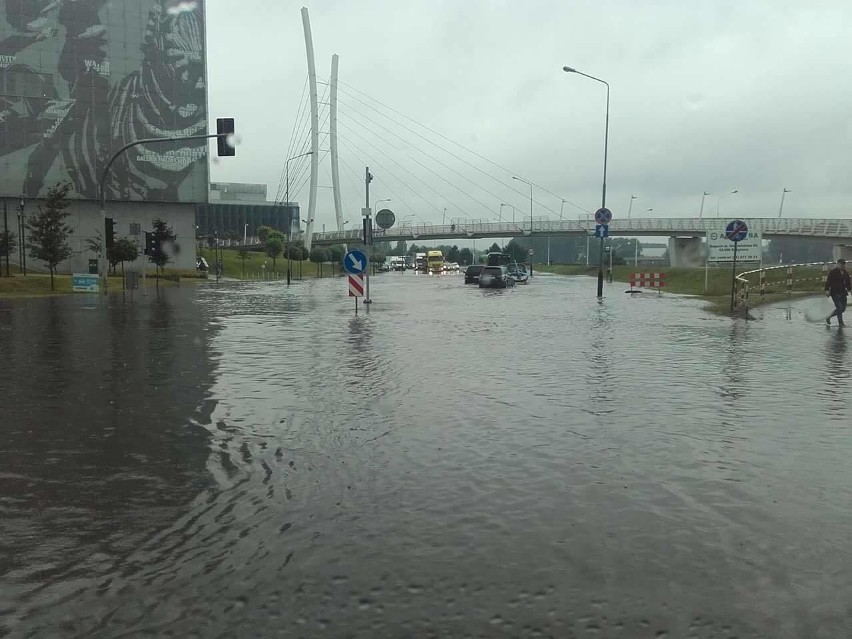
252, 461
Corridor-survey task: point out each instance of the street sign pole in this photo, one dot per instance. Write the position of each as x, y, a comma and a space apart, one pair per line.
603, 216
734, 276
736, 231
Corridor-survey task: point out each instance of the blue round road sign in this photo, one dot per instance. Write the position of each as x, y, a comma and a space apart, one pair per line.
603, 216
355, 262
736, 231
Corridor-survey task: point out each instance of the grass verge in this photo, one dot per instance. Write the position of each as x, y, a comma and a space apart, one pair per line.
690, 281
258, 266
38, 284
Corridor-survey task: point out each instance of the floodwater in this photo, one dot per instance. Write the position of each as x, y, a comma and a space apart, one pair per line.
249, 460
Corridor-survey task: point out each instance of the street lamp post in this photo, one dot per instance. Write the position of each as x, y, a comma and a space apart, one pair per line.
719, 199
287, 204
515, 177
630, 208
307, 225
701, 210
781, 208
606, 151
500, 211
21, 238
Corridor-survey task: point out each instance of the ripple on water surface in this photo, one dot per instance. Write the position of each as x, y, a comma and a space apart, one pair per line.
455, 462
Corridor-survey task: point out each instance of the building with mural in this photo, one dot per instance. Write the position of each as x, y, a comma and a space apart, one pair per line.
81, 78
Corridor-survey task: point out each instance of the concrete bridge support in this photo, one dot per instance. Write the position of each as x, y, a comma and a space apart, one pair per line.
842, 251
686, 252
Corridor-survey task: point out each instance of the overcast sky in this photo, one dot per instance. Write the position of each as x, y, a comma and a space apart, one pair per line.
711, 95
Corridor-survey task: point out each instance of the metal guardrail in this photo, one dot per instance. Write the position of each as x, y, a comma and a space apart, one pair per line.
744, 286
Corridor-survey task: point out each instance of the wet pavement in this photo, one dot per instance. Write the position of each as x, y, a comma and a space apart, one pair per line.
249, 460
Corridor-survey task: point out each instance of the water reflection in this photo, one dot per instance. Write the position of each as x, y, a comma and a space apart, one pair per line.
99, 442
252, 459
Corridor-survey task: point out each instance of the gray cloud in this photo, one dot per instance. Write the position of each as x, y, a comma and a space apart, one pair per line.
705, 96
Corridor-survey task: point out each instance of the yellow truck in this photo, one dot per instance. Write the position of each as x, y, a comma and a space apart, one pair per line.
435, 262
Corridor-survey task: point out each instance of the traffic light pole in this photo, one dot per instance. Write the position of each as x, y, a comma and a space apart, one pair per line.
368, 235
102, 262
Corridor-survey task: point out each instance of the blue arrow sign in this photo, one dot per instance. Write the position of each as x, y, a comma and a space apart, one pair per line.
355, 262
602, 230
736, 231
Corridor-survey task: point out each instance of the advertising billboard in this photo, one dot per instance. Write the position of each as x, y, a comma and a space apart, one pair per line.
81, 78
722, 249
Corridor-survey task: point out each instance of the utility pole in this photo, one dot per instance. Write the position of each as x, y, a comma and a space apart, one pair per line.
6, 232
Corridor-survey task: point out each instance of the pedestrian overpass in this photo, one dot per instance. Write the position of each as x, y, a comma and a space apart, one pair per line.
838, 230
815, 228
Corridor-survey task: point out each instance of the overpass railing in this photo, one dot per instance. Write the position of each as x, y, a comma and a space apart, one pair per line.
801, 227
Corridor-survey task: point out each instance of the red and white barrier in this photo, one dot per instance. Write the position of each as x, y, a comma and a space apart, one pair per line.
356, 285
647, 280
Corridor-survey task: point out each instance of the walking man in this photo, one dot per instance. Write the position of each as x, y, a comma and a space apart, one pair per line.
837, 287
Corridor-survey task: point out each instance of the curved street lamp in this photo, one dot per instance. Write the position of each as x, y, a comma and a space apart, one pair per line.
606, 148
781, 208
718, 200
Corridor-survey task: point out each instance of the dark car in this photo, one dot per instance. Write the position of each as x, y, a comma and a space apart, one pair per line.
496, 277
471, 275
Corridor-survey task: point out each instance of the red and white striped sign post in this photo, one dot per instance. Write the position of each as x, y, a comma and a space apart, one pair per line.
647, 280
356, 287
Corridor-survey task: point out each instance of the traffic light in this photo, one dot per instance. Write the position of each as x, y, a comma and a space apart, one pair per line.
152, 245
225, 130
368, 231
109, 232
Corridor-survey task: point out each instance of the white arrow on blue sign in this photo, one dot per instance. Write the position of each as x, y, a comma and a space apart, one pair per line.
602, 230
355, 262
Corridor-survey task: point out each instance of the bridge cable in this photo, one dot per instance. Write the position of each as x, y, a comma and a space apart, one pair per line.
502, 168
440, 195
296, 140
463, 191
349, 143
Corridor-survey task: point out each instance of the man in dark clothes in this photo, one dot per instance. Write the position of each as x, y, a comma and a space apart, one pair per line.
838, 286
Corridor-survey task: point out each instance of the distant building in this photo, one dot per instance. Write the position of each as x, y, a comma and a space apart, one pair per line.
234, 205
237, 192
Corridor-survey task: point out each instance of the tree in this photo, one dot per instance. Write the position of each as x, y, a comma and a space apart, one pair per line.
122, 251
452, 255
377, 256
163, 234
517, 251
95, 244
318, 256
465, 256
243, 254
296, 251
400, 248
274, 245
48, 240
263, 233
337, 252
625, 249
495, 248
798, 251
8, 245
